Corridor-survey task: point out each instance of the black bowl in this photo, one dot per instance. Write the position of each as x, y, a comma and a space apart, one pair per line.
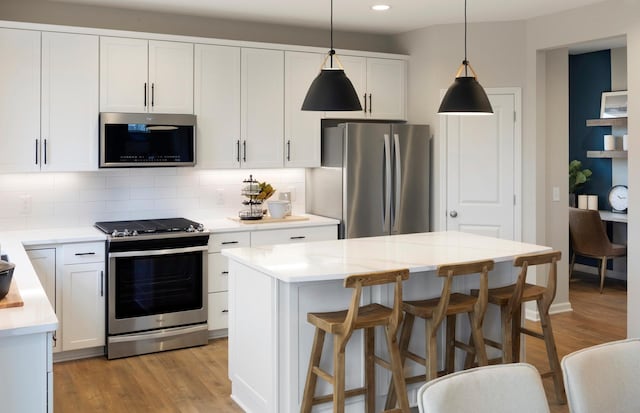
6, 274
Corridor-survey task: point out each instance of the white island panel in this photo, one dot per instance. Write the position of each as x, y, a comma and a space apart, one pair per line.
272, 289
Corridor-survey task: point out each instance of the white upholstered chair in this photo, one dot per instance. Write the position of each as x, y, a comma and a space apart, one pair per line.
604, 378
502, 388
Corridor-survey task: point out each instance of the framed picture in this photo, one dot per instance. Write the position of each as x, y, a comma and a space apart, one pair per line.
613, 105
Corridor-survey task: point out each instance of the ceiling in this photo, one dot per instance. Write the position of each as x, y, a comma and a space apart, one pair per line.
351, 15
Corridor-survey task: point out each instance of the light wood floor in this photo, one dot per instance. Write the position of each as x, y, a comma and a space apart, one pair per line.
195, 380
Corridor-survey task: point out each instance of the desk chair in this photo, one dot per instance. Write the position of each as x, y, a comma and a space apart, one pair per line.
589, 239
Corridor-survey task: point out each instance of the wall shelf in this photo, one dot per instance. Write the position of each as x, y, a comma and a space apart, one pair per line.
616, 122
607, 154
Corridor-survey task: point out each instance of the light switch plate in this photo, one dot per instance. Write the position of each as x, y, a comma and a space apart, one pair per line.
556, 194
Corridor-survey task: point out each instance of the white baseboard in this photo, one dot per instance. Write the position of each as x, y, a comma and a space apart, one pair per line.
223, 332
79, 354
556, 308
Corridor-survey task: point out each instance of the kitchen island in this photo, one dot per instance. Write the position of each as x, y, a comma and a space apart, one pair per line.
272, 288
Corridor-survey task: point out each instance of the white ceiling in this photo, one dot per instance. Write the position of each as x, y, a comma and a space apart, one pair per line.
352, 15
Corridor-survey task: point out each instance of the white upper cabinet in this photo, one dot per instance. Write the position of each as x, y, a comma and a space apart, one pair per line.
20, 100
69, 136
145, 76
48, 108
171, 77
262, 108
301, 128
381, 85
217, 106
387, 88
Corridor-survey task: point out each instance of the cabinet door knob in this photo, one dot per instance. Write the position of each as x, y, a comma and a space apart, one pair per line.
453, 214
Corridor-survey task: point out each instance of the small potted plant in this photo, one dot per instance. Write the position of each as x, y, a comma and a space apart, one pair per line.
577, 178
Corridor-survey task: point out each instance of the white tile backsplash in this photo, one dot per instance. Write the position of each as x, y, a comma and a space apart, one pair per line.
75, 199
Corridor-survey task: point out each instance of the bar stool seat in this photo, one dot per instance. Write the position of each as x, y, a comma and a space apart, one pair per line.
510, 298
434, 311
342, 324
368, 316
458, 304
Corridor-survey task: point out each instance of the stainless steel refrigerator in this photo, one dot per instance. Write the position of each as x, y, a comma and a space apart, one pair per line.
374, 178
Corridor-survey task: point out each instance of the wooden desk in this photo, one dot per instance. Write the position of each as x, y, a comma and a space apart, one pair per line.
613, 216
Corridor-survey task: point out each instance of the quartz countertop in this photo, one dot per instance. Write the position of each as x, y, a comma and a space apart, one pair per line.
37, 315
331, 260
229, 225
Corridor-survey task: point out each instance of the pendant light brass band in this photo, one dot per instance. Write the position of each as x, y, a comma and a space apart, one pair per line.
464, 65
333, 56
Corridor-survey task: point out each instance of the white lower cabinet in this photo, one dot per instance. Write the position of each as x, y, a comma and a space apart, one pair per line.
73, 278
83, 306
219, 265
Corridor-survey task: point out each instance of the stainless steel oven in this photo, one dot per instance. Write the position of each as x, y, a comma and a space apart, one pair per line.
156, 288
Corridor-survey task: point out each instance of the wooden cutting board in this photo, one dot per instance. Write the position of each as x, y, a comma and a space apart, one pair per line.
268, 220
13, 298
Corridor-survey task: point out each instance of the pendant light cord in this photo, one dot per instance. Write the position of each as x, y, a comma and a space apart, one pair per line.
465, 62
332, 52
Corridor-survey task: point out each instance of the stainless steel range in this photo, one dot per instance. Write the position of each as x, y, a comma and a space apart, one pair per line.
156, 285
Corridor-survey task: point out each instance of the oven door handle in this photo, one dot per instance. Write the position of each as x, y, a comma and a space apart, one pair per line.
147, 253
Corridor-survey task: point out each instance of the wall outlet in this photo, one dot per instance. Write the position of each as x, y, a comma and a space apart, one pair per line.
220, 196
292, 190
25, 204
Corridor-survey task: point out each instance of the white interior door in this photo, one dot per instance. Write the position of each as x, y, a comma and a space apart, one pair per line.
481, 170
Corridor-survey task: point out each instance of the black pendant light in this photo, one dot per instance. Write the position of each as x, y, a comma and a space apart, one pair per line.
465, 96
331, 90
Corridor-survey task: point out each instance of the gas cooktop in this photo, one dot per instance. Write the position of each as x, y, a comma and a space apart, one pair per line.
148, 227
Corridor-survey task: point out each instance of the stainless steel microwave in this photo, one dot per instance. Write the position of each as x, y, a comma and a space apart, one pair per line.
147, 140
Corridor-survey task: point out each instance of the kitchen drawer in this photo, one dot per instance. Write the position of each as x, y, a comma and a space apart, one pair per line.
217, 242
218, 317
291, 235
83, 253
218, 273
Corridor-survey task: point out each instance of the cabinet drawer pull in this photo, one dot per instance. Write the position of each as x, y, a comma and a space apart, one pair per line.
365, 103
238, 147
298, 237
101, 283
45, 151
229, 242
55, 337
36, 151
244, 151
225, 311
289, 150
84, 253
145, 94
153, 94
370, 104
225, 273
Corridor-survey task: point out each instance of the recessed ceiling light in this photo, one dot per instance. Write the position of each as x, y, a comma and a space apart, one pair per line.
380, 7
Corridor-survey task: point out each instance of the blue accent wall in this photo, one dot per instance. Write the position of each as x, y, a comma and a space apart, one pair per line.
589, 76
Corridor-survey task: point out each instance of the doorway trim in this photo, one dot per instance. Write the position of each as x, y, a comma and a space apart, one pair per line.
517, 160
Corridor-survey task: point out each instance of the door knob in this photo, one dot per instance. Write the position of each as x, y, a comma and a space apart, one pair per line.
453, 214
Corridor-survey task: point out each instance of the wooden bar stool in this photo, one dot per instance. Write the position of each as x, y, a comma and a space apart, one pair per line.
342, 324
434, 311
510, 299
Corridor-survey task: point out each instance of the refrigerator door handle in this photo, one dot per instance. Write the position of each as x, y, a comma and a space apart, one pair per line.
398, 182
387, 183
